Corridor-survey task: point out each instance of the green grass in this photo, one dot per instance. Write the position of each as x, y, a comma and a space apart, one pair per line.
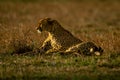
58, 67
89, 21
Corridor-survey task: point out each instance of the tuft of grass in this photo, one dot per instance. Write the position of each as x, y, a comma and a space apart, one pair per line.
20, 46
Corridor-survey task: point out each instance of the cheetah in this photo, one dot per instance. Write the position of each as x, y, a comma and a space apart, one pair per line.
61, 40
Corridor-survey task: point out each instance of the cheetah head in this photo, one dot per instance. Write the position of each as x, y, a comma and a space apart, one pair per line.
46, 24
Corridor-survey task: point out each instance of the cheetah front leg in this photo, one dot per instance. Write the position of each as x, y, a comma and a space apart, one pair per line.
47, 48
44, 48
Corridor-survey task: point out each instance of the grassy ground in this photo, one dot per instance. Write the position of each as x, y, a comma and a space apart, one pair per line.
97, 21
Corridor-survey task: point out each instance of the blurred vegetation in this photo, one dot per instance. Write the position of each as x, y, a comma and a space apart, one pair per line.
57, 0
93, 21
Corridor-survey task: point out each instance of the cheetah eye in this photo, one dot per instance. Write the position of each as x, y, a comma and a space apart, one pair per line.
40, 25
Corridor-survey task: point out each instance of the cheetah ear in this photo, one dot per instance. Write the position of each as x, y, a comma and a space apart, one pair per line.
50, 21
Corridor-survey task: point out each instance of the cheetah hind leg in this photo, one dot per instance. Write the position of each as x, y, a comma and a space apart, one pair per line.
89, 48
86, 48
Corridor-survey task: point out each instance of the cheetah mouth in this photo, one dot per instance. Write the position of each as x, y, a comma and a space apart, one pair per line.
38, 31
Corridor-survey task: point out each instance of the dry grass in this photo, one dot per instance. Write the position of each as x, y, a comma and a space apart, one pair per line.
90, 21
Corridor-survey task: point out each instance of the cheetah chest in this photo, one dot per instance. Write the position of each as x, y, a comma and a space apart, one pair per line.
55, 44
